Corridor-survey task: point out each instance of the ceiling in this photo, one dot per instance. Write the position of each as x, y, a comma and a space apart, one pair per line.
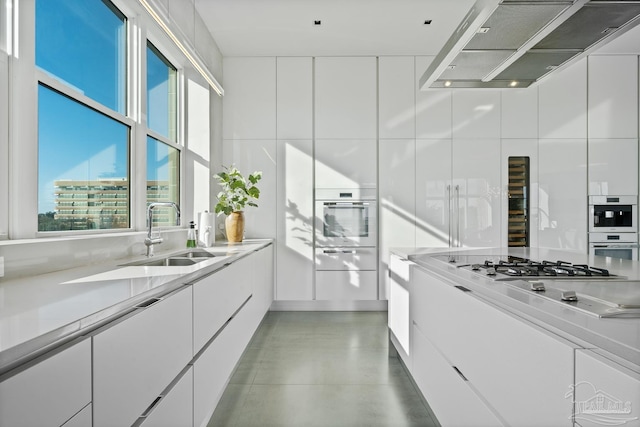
348, 27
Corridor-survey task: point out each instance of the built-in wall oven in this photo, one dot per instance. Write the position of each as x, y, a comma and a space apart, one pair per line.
615, 245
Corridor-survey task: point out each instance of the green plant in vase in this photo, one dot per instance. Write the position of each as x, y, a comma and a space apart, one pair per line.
236, 193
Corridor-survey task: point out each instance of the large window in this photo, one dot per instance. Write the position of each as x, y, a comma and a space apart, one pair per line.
161, 94
83, 150
163, 178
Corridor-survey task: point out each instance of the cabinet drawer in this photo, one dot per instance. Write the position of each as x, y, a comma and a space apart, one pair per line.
176, 407
346, 259
81, 419
450, 397
50, 392
217, 296
495, 350
346, 285
137, 358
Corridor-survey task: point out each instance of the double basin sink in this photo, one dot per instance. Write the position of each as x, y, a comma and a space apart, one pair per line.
178, 260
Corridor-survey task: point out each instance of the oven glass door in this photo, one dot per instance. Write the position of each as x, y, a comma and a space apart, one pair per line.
612, 251
606, 216
348, 223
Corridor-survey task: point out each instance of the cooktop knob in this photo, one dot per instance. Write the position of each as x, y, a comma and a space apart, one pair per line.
475, 267
491, 271
569, 296
537, 287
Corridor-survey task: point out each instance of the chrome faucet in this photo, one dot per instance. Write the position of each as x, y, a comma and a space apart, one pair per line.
150, 241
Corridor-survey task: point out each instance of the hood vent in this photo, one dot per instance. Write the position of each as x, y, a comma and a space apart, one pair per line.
515, 43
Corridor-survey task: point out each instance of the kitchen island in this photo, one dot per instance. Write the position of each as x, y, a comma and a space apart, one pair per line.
507, 354
130, 342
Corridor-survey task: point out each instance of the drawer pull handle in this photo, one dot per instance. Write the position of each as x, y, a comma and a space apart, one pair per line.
460, 373
152, 406
148, 303
462, 288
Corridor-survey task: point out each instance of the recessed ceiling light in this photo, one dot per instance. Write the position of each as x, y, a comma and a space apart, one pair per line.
447, 83
427, 22
317, 22
513, 84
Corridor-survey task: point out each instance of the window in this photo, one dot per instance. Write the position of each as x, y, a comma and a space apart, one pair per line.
163, 178
161, 94
83, 131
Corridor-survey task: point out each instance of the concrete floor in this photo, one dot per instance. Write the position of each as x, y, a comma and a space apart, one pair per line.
321, 369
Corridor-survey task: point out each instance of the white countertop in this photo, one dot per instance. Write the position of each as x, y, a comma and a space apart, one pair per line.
39, 311
618, 338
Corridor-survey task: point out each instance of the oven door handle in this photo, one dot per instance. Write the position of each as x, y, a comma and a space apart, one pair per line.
346, 204
339, 251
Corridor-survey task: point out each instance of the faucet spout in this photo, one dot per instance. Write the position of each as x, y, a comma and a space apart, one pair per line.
150, 240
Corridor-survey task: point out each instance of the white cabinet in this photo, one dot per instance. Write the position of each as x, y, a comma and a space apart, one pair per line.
175, 408
217, 296
345, 97
294, 243
294, 100
249, 98
613, 165
458, 192
262, 283
397, 92
476, 113
135, 359
448, 393
613, 96
562, 194
605, 391
259, 155
81, 419
563, 103
49, 391
346, 163
433, 106
397, 171
347, 285
399, 315
506, 350
520, 113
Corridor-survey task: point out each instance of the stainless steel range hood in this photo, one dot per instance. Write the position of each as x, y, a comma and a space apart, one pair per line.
515, 43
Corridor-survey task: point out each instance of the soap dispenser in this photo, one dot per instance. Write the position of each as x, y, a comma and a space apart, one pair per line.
191, 235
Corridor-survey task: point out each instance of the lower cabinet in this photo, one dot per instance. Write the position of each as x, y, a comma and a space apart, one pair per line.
175, 407
81, 419
399, 311
346, 285
449, 394
135, 359
51, 391
605, 392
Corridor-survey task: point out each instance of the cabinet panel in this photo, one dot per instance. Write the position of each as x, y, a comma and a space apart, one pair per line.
176, 408
562, 194
563, 103
433, 177
50, 392
263, 280
346, 285
397, 93
345, 97
399, 315
249, 100
520, 113
605, 392
397, 172
295, 266
613, 166
433, 106
613, 96
476, 113
259, 155
137, 358
346, 163
542, 364
450, 397
294, 98
217, 297
81, 419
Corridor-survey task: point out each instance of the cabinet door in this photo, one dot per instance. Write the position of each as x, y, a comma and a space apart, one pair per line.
605, 392
137, 358
476, 114
433, 106
563, 194
507, 350
397, 92
50, 392
346, 164
449, 395
476, 192
433, 192
294, 98
345, 97
81, 419
519, 113
399, 315
613, 96
613, 165
263, 280
294, 255
346, 285
397, 202
249, 100
175, 409
217, 297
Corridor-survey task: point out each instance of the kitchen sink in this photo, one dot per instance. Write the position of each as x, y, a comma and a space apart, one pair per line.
195, 254
177, 260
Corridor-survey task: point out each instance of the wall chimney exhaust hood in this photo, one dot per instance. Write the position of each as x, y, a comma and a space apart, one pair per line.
515, 43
